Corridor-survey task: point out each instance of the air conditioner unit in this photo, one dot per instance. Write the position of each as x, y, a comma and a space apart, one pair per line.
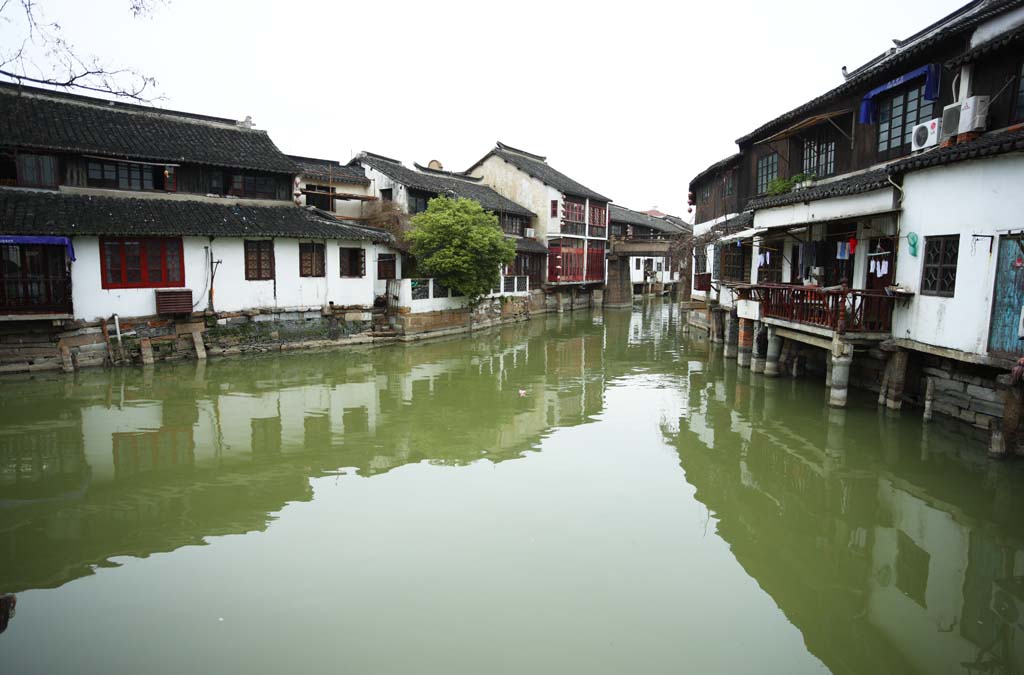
173, 301
973, 114
926, 135
950, 121
529, 232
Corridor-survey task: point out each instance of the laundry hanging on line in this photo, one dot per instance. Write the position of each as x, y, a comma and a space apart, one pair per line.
842, 250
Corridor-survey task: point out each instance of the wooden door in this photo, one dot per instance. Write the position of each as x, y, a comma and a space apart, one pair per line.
1008, 299
880, 251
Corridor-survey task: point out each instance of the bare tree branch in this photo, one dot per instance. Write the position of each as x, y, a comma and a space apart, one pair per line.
44, 57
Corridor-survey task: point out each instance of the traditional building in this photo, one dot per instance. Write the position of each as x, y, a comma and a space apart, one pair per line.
648, 273
411, 189
111, 209
880, 221
340, 189
571, 219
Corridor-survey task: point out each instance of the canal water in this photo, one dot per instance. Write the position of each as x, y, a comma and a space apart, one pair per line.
586, 493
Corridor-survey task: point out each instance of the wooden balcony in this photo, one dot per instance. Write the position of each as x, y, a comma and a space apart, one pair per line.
840, 310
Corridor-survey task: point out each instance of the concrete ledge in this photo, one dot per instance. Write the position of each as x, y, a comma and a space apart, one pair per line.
955, 354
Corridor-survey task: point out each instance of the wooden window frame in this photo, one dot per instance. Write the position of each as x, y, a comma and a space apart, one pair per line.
700, 260
944, 242
104, 167
386, 194
244, 185
263, 250
735, 264
387, 258
819, 156
554, 208
166, 244
38, 161
312, 260
1017, 113
325, 195
767, 171
901, 110
343, 267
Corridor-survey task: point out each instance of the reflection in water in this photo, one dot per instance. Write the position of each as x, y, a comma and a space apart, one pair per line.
7, 605
893, 546
887, 545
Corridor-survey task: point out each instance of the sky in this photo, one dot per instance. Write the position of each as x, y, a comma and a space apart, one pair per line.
632, 99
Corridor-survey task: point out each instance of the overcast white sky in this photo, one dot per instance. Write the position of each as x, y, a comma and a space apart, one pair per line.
630, 98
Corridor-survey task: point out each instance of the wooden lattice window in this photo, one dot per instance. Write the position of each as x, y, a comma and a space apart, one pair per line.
940, 257
735, 263
700, 260
259, 260
353, 262
311, 260
767, 171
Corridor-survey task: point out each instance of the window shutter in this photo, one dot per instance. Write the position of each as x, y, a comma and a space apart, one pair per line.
362, 262
716, 263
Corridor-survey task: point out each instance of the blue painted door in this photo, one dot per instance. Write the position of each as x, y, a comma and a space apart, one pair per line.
1008, 299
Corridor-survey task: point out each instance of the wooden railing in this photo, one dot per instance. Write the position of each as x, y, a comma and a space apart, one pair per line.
34, 294
843, 310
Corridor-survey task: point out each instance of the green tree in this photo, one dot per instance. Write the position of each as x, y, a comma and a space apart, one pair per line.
461, 245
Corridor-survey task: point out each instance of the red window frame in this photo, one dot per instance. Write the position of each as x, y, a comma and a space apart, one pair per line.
554, 208
166, 264
575, 211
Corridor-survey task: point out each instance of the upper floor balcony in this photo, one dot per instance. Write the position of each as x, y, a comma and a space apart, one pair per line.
833, 311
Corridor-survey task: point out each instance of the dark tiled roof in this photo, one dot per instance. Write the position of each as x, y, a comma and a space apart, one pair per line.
862, 182
1014, 39
38, 212
443, 183
679, 223
620, 214
731, 159
327, 171
995, 143
885, 65
737, 223
525, 245
41, 120
537, 166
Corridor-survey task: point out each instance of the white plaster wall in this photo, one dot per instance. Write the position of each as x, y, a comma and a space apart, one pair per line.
821, 210
92, 301
979, 197
637, 275
232, 292
525, 190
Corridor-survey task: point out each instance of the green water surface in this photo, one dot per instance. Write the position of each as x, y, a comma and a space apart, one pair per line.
587, 493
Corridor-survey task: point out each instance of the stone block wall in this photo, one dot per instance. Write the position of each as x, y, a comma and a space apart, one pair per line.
964, 391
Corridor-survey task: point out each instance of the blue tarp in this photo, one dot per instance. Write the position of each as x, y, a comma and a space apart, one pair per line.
931, 73
8, 240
